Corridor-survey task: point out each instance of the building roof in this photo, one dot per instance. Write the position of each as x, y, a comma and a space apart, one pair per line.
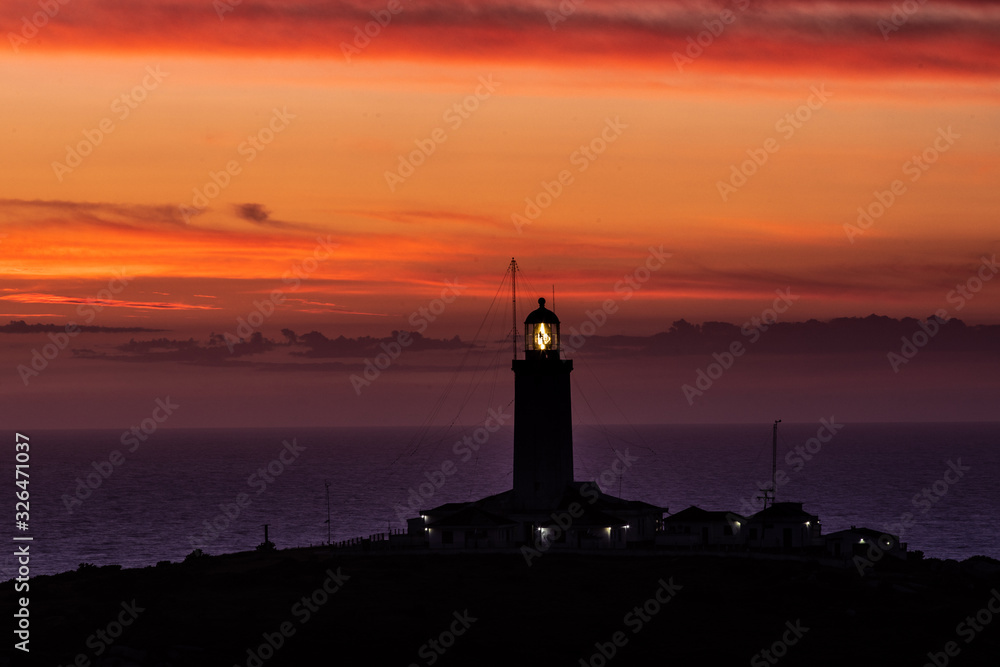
695, 513
606, 501
598, 510
863, 532
447, 507
591, 517
498, 503
784, 512
470, 517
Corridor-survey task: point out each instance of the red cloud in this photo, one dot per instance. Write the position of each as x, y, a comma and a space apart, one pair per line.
36, 297
861, 38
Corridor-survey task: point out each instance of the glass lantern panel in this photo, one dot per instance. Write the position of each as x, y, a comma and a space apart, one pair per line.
543, 336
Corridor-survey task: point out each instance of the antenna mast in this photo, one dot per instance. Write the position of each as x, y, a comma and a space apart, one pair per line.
769, 494
513, 298
774, 459
328, 525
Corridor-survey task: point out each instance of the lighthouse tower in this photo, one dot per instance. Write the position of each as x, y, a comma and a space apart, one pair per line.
543, 434
531, 515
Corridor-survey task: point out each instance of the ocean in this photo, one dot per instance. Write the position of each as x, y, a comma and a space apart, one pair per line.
95, 499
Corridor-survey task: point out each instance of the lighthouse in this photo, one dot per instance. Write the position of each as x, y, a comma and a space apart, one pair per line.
543, 424
546, 508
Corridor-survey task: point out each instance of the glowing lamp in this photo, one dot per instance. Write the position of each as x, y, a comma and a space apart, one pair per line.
541, 334
542, 337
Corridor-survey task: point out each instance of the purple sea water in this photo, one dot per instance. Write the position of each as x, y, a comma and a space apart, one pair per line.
155, 505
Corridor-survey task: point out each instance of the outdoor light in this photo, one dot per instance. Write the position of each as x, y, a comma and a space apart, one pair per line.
541, 333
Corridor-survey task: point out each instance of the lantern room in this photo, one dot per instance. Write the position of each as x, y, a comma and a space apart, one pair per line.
541, 333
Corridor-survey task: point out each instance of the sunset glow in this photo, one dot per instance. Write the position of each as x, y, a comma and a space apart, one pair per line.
217, 152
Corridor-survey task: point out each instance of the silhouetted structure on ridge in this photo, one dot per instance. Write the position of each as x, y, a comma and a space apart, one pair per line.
546, 507
543, 417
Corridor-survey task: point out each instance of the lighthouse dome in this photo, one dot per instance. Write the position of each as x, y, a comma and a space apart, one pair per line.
541, 314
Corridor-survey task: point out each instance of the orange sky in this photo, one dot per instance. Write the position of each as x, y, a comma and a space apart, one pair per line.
212, 156
204, 84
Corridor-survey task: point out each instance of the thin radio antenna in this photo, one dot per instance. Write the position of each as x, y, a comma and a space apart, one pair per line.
513, 298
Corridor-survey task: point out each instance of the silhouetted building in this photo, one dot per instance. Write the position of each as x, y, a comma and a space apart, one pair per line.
695, 527
861, 542
783, 526
545, 507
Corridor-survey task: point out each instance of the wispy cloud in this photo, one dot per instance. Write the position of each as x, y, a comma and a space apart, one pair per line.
323, 307
789, 35
28, 315
36, 297
21, 327
414, 217
260, 215
299, 353
105, 214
